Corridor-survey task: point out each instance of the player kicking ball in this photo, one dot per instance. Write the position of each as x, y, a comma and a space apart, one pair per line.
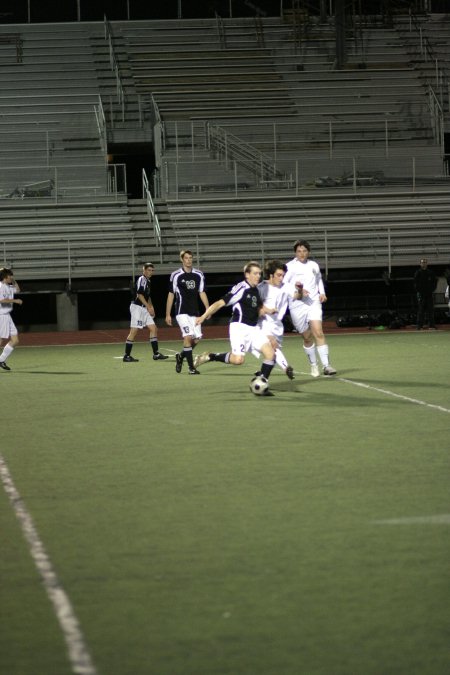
275, 295
244, 333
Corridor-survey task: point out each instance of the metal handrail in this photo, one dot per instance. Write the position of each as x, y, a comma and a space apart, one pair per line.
101, 125
437, 117
152, 215
114, 64
230, 147
221, 31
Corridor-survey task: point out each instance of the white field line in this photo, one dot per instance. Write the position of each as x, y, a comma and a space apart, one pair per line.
387, 392
392, 393
439, 519
78, 653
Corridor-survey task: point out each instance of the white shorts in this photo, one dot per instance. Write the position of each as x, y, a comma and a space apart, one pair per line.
140, 317
188, 326
244, 338
263, 337
7, 326
302, 314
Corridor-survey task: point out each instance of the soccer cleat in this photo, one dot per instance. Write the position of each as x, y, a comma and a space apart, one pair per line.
201, 359
258, 373
268, 393
315, 370
329, 370
290, 372
179, 362
4, 366
194, 371
129, 359
159, 357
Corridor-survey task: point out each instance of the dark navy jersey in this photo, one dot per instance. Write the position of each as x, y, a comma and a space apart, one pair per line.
142, 288
186, 286
245, 301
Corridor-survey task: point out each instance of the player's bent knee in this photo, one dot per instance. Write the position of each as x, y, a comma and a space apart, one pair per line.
237, 360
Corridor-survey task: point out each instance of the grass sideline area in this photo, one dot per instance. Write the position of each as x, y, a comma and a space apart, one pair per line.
200, 530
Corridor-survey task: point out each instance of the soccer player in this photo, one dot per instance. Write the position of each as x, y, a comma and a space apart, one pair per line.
244, 333
8, 331
186, 285
142, 316
306, 314
275, 295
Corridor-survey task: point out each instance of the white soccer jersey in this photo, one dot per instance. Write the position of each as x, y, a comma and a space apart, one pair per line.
308, 273
6, 293
274, 297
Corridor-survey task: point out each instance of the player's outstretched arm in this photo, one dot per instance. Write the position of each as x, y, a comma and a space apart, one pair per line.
212, 309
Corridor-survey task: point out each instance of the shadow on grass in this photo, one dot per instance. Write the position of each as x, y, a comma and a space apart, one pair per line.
50, 372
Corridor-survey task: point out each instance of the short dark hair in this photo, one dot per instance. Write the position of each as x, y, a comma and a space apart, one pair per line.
272, 266
147, 265
5, 272
302, 242
250, 264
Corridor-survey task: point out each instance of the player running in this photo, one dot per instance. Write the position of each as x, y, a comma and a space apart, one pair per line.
306, 314
8, 331
276, 295
244, 332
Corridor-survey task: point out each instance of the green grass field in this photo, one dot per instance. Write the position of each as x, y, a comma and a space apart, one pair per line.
200, 530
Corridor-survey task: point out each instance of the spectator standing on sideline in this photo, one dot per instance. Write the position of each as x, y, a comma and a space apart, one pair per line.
425, 282
306, 314
142, 316
186, 285
244, 332
8, 331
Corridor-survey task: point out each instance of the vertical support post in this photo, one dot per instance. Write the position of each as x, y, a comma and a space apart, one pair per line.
389, 251
275, 144
197, 250
386, 138
330, 139
414, 174
69, 265
354, 174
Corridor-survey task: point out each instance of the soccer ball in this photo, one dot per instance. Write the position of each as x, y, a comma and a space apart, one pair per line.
259, 385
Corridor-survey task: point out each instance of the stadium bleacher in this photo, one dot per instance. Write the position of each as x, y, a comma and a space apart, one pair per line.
348, 154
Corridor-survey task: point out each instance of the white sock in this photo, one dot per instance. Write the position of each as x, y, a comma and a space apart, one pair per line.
280, 359
311, 354
323, 354
7, 349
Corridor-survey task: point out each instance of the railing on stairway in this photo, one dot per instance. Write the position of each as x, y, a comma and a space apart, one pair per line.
114, 64
440, 80
220, 26
229, 148
152, 215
